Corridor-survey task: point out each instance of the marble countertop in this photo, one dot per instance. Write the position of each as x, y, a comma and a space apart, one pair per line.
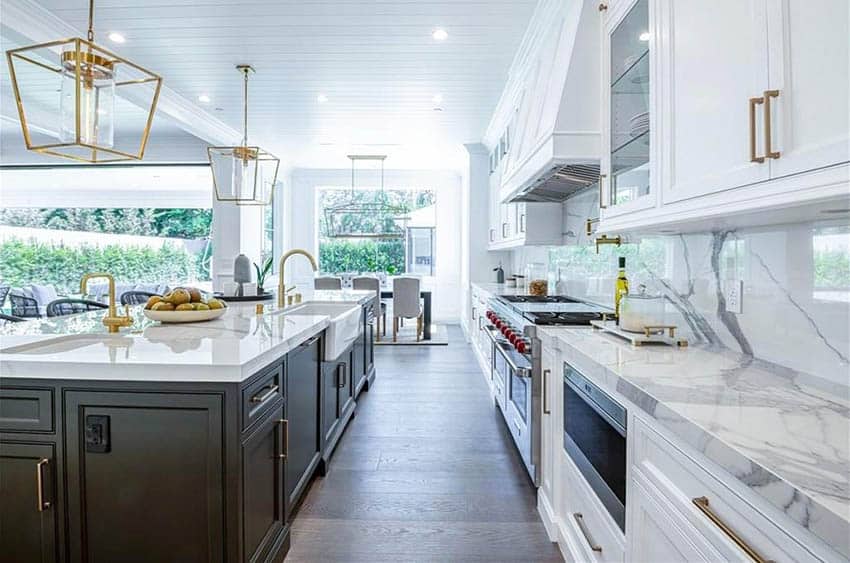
783, 434
228, 349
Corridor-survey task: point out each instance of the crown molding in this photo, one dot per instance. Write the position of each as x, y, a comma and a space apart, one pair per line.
24, 21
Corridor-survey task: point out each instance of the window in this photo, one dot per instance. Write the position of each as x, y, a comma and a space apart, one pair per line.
268, 232
831, 256
407, 253
56, 246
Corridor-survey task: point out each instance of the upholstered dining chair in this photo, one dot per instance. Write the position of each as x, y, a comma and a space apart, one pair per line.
406, 304
136, 297
327, 282
374, 284
64, 306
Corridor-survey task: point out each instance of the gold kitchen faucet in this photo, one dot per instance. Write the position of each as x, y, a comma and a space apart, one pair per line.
112, 320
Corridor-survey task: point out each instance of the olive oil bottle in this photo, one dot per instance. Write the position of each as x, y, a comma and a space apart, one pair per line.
621, 288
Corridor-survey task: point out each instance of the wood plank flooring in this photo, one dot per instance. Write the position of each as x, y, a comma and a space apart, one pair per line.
425, 472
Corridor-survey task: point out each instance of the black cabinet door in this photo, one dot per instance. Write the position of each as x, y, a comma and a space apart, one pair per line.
330, 399
27, 502
346, 381
303, 395
145, 476
263, 484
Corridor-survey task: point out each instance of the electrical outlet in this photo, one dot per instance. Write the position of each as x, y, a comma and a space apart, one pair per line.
735, 296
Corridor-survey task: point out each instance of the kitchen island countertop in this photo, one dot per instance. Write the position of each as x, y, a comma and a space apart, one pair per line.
228, 349
783, 434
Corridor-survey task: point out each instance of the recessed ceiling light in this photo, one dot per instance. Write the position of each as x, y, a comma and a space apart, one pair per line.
321, 98
116, 37
644, 36
438, 98
204, 99
219, 109
438, 108
440, 34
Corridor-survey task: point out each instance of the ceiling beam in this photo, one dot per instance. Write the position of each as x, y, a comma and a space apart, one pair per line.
28, 22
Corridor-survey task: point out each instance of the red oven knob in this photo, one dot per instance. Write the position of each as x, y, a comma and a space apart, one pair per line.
490, 315
513, 338
498, 323
520, 346
506, 331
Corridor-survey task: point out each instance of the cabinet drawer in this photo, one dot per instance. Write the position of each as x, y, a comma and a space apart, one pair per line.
26, 410
261, 394
592, 535
709, 505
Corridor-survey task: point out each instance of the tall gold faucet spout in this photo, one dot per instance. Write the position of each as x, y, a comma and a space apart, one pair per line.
281, 291
112, 321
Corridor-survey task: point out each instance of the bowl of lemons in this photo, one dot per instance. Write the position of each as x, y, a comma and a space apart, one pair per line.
184, 305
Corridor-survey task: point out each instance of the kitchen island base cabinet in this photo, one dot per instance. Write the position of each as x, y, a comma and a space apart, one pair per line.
304, 441
264, 481
145, 476
337, 402
28, 522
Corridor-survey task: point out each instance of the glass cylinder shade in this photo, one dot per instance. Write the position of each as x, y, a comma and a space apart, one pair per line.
243, 175
96, 98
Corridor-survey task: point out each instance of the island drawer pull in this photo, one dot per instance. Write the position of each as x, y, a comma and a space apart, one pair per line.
39, 484
310, 342
579, 518
284, 448
703, 505
546, 409
270, 392
341, 380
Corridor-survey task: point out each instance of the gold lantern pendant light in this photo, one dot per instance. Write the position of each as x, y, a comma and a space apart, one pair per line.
82, 125
244, 175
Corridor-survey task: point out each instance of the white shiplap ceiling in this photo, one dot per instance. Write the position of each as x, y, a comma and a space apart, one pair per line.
374, 60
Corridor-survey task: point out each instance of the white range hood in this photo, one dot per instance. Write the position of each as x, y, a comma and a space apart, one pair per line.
556, 136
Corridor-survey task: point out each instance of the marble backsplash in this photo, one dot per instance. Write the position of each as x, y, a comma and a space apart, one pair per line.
796, 285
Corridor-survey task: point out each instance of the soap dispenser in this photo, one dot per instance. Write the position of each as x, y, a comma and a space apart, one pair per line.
500, 274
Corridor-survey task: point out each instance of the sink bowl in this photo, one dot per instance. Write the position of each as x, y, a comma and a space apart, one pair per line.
69, 343
344, 328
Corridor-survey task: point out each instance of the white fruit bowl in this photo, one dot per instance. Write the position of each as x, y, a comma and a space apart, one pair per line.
184, 316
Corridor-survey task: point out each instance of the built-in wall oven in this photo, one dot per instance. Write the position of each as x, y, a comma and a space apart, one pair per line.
595, 439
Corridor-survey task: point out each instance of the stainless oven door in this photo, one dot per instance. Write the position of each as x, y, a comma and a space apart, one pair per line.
519, 407
497, 368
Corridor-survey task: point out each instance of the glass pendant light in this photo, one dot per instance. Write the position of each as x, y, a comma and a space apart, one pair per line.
244, 175
80, 124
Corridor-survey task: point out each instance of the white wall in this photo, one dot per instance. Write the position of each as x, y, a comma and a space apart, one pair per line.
301, 227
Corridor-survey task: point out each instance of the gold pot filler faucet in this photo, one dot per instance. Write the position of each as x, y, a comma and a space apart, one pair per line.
112, 320
281, 288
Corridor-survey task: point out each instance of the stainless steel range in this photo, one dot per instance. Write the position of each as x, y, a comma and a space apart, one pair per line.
512, 322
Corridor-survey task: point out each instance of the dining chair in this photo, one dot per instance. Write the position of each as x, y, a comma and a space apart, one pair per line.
9, 319
406, 304
327, 282
4, 291
66, 306
374, 284
137, 297
23, 306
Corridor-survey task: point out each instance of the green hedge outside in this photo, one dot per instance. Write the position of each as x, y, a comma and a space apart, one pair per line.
23, 263
343, 255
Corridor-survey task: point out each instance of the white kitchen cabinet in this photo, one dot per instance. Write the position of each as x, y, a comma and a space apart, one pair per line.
748, 114
705, 508
627, 164
808, 44
551, 438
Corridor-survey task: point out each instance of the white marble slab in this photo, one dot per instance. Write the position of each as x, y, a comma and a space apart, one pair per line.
228, 349
783, 434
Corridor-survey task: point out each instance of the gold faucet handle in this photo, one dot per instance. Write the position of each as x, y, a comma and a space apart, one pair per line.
127, 311
290, 289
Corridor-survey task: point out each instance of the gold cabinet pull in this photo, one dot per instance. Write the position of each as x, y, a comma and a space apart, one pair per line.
768, 151
270, 392
601, 192
753, 103
702, 504
579, 518
545, 393
284, 448
39, 484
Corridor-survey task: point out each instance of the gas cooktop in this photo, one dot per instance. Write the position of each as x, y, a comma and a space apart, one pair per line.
537, 299
566, 318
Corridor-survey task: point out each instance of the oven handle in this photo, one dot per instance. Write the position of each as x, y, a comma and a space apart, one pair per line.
504, 348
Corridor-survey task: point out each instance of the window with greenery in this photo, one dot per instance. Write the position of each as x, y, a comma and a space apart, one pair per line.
268, 232
361, 254
137, 245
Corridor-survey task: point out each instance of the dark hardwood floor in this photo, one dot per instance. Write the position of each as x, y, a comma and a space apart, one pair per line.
425, 472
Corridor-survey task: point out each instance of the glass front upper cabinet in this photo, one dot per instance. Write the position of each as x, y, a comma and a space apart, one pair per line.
629, 95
